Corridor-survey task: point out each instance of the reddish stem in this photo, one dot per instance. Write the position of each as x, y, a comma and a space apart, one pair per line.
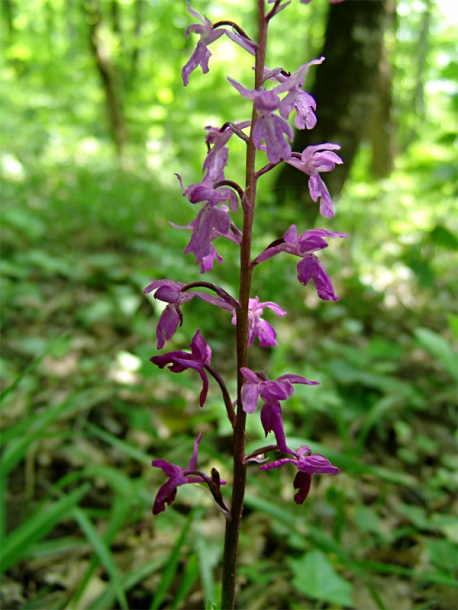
239, 480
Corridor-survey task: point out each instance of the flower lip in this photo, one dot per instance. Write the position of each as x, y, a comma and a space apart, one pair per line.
198, 359
257, 386
177, 477
307, 465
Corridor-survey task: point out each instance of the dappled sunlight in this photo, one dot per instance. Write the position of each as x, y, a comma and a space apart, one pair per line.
125, 368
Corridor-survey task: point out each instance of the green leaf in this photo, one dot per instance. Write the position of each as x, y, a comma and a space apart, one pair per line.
103, 553
107, 597
206, 571
28, 370
120, 509
453, 324
442, 237
438, 347
443, 554
315, 577
171, 567
23, 434
191, 573
17, 544
129, 450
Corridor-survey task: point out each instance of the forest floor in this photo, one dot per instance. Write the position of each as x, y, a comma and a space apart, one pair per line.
88, 412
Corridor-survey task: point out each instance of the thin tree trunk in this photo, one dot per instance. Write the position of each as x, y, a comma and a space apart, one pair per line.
7, 10
115, 17
139, 6
380, 129
105, 69
418, 98
345, 90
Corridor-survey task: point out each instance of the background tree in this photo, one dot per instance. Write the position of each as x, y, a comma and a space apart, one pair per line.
106, 71
352, 88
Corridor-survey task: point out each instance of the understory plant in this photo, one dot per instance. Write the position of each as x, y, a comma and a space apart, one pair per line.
275, 95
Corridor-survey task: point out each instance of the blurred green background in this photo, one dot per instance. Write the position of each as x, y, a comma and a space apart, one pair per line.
94, 122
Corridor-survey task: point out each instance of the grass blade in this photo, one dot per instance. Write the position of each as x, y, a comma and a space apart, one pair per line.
29, 369
103, 553
190, 576
206, 572
121, 509
18, 543
106, 599
172, 564
129, 450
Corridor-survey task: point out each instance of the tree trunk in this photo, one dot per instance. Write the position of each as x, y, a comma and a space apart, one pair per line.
379, 126
418, 98
113, 101
345, 91
115, 17
7, 9
139, 6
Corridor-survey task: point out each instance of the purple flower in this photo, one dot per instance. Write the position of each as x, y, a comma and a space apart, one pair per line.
172, 293
296, 99
217, 156
307, 465
208, 35
198, 359
201, 54
177, 477
210, 223
257, 327
269, 127
315, 159
204, 191
216, 159
309, 268
271, 392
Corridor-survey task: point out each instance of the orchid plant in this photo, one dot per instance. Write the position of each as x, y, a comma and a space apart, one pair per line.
276, 94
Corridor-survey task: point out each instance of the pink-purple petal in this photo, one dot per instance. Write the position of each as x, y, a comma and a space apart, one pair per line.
193, 461
310, 268
250, 397
316, 464
167, 325
297, 379
302, 482
271, 419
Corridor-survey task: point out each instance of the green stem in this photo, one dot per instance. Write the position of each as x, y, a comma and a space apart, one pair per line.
239, 479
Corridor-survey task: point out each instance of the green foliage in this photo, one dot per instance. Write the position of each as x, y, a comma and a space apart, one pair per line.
37, 526
321, 581
84, 412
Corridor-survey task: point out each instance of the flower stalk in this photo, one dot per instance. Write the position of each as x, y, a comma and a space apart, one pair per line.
217, 197
231, 541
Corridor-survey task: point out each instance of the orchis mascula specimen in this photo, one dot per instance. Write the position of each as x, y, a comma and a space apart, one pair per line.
277, 94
